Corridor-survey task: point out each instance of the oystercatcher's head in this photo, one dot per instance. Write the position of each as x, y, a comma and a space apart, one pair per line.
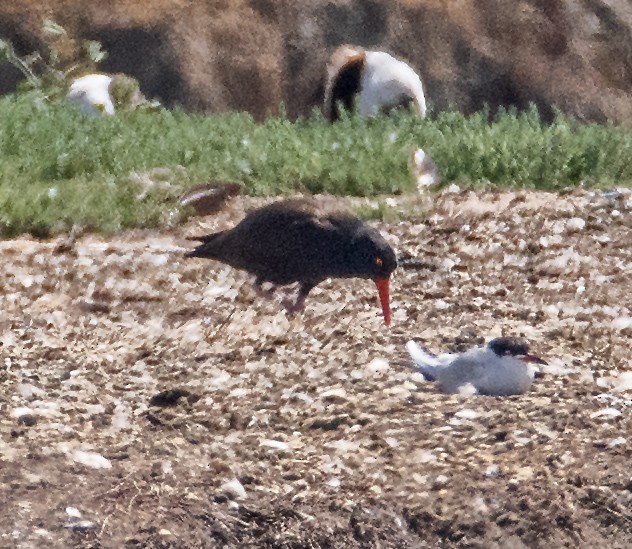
372, 257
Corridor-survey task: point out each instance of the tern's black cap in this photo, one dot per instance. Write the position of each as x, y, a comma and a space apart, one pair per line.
509, 346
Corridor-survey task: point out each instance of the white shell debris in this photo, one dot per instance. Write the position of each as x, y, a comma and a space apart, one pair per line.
440, 481
91, 459
606, 413
623, 382
453, 189
23, 411
29, 391
466, 413
619, 441
81, 525
378, 366
492, 471
235, 488
576, 223
275, 445
334, 394
75, 523
622, 323
73, 512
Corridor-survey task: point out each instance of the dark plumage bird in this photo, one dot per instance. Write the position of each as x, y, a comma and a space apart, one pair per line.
211, 197
294, 240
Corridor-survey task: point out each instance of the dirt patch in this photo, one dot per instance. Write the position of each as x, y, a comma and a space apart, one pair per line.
289, 433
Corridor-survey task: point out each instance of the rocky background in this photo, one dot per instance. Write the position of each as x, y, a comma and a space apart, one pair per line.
252, 55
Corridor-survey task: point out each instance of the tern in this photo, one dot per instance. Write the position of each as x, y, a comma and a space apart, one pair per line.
503, 367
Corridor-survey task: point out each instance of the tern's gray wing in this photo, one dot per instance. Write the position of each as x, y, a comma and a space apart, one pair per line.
467, 368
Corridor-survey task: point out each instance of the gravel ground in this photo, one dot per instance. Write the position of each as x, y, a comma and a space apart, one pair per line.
152, 401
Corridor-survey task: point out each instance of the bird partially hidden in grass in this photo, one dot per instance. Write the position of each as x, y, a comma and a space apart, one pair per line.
91, 93
295, 240
504, 367
104, 94
209, 198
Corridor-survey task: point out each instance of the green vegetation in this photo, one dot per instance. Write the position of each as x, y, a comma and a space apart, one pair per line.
59, 168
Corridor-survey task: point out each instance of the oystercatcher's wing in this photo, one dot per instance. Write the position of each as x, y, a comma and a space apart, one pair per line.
282, 245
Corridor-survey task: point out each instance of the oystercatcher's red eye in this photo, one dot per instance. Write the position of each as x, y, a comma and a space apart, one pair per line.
378, 261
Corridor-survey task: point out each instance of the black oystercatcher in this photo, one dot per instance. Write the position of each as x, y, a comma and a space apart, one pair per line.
294, 240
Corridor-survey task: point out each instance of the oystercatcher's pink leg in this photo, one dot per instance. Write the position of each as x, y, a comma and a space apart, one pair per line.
259, 290
294, 307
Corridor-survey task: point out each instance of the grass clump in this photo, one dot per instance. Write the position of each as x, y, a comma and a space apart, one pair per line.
60, 168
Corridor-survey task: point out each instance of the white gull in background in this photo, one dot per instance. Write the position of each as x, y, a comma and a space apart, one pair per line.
503, 367
91, 93
103, 94
374, 79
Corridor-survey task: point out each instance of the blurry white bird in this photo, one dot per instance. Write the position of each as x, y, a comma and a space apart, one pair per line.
91, 93
379, 80
389, 82
423, 169
503, 367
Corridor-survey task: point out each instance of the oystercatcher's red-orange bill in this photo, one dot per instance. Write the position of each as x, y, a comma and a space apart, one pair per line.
383, 291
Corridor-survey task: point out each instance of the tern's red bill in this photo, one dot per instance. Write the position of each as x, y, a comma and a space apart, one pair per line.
532, 358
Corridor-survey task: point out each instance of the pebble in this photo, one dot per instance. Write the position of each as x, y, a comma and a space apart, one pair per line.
623, 382
91, 459
81, 526
439, 482
29, 391
334, 394
27, 419
467, 414
235, 488
73, 512
275, 445
619, 441
23, 411
492, 471
420, 479
606, 413
378, 366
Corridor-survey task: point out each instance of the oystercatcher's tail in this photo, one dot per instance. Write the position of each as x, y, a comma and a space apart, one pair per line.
208, 246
